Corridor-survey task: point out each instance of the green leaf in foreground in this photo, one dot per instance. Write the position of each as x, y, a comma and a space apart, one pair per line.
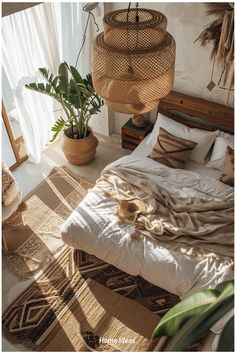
197, 326
194, 305
177, 316
226, 342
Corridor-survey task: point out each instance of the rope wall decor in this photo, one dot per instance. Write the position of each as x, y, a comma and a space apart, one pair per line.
133, 60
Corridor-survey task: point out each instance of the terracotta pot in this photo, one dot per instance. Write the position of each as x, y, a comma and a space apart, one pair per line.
79, 151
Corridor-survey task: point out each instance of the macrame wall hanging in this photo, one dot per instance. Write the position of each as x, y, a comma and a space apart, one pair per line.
133, 60
221, 33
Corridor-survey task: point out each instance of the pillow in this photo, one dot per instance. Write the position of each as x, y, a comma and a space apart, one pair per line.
171, 150
225, 135
218, 155
227, 176
203, 138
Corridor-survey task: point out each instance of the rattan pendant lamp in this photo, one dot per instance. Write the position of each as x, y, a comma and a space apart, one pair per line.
133, 60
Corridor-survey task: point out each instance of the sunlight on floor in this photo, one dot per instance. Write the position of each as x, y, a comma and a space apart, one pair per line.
29, 175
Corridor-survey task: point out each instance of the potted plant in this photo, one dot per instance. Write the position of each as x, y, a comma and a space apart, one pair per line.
79, 102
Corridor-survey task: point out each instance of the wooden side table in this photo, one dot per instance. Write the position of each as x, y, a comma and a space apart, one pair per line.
132, 135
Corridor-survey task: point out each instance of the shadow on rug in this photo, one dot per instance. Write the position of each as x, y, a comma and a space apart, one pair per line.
34, 241
61, 311
68, 308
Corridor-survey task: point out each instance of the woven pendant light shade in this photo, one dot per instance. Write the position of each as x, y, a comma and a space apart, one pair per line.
133, 61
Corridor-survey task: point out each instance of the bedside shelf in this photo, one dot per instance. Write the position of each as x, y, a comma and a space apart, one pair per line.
132, 135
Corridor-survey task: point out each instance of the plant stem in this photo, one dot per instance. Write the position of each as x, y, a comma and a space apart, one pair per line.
81, 120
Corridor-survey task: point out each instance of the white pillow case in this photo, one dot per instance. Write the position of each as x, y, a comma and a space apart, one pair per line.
218, 156
204, 138
225, 135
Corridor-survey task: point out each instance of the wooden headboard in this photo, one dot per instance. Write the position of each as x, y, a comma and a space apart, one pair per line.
210, 115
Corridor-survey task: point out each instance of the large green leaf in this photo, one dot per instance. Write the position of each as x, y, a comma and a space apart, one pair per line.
226, 342
73, 88
76, 75
64, 79
77, 83
75, 100
191, 306
225, 288
197, 326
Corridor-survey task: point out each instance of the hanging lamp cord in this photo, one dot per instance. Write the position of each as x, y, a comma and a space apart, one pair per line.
85, 32
137, 21
137, 16
128, 10
130, 69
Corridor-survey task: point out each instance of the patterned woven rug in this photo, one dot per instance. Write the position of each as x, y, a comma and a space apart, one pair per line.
59, 312
154, 298
61, 308
35, 238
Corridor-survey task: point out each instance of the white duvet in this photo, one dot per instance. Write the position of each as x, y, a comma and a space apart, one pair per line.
93, 228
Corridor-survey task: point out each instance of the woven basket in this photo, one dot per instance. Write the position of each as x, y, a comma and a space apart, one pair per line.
133, 62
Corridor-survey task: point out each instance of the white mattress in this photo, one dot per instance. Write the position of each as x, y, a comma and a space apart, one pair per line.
92, 227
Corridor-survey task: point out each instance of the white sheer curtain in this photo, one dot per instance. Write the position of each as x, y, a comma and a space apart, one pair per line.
70, 22
43, 36
29, 42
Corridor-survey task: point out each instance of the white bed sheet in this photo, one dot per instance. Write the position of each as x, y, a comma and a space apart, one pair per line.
93, 228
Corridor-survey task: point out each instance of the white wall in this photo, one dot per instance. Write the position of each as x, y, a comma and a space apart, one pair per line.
193, 65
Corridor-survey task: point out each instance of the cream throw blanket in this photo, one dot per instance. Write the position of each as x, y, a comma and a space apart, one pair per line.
194, 226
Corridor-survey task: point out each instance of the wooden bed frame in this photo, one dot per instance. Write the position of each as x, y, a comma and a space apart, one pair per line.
210, 115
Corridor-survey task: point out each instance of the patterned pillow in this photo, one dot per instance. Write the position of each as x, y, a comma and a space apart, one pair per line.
170, 150
227, 176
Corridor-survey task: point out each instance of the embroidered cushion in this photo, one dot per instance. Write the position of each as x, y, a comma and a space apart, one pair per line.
171, 150
227, 176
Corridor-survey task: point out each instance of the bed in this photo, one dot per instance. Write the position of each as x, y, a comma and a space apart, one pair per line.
94, 228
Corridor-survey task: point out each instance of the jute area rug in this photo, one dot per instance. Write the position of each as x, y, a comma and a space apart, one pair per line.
62, 311
34, 237
81, 303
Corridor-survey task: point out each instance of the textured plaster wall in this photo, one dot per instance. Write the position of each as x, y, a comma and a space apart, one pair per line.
193, 65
